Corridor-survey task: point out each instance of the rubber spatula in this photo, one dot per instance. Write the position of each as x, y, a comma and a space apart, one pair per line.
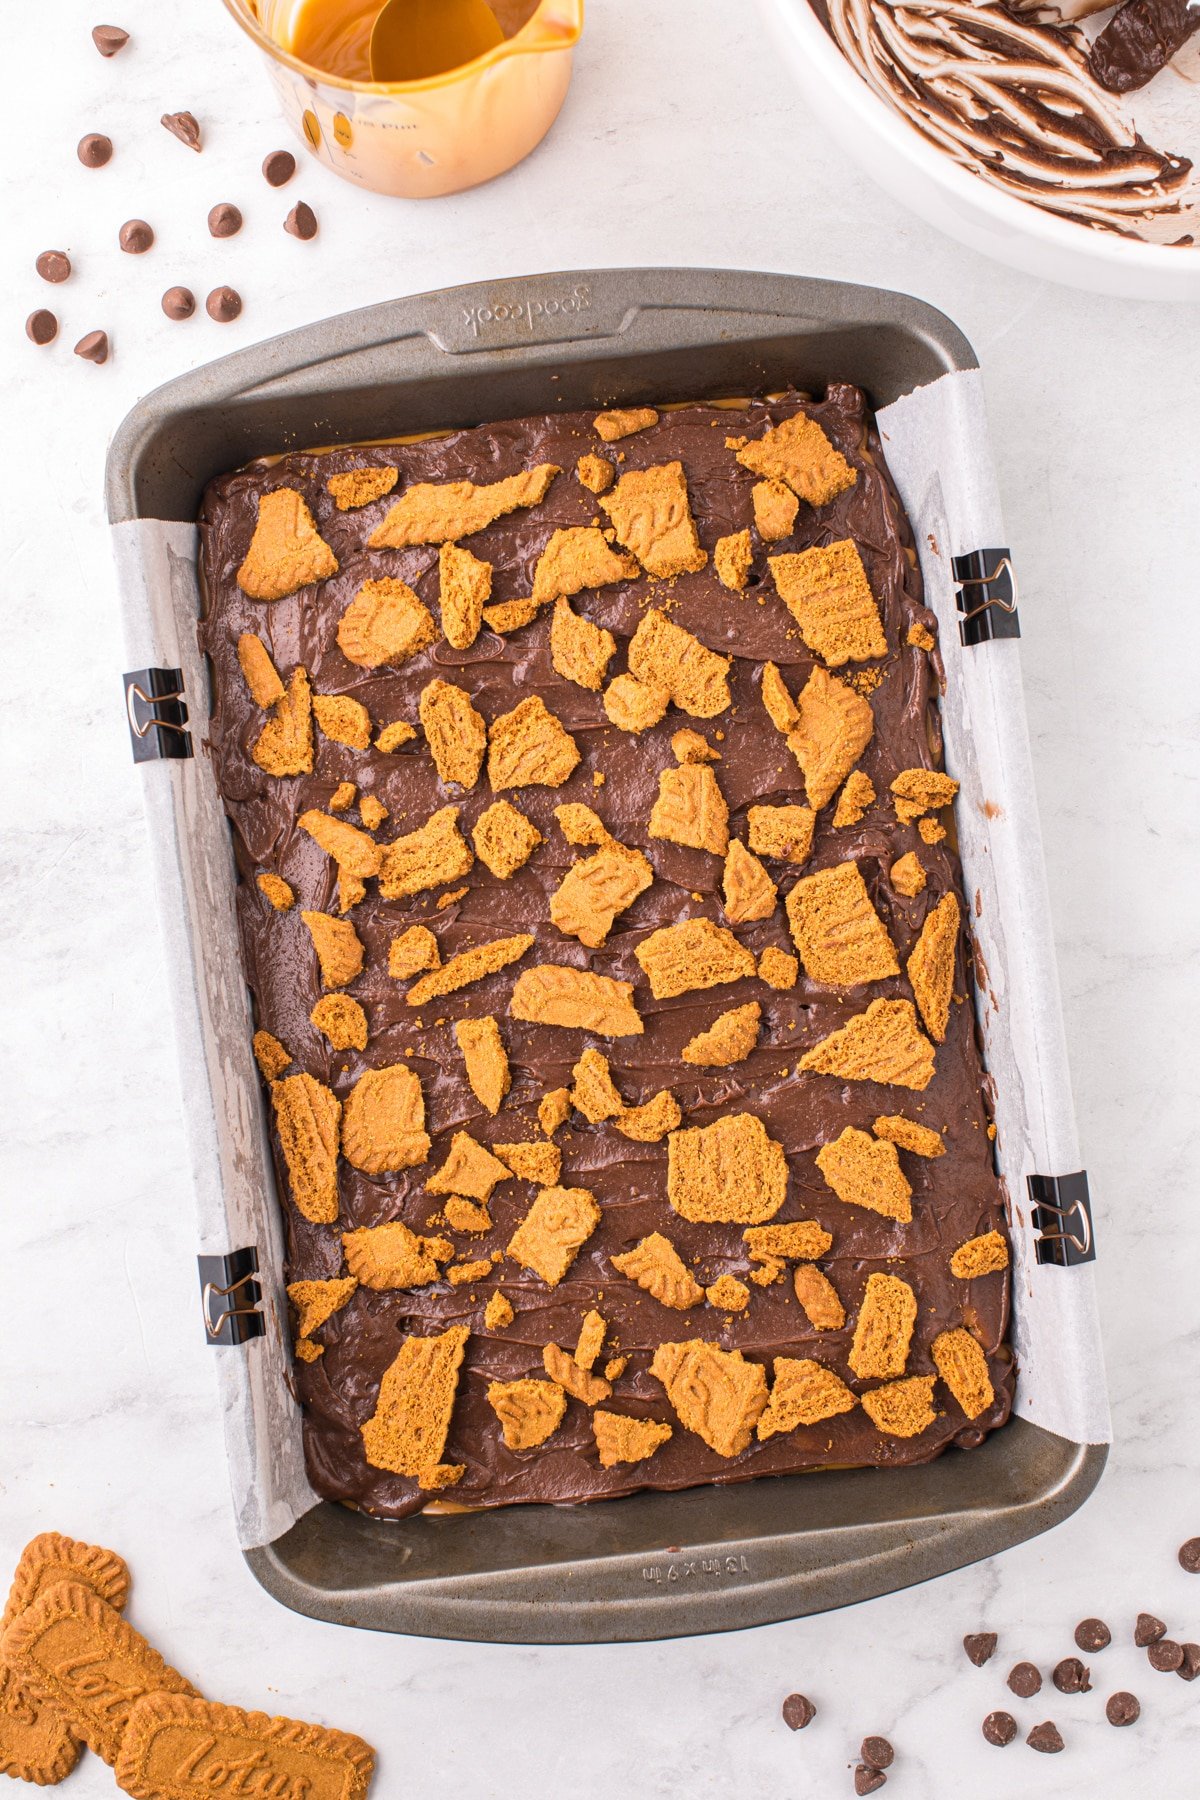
413, 39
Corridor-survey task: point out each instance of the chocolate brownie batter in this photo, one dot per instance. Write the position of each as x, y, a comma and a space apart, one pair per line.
955, 1197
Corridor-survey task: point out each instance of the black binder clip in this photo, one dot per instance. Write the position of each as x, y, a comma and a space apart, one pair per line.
1062, 1217
987, 596
231, 1279
156, 711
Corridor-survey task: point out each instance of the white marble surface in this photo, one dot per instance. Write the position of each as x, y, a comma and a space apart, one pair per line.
679, 143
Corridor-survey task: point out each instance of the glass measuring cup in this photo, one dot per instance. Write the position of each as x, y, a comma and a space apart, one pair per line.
420, 138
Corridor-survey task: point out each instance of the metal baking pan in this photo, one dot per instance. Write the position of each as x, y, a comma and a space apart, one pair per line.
653, 1565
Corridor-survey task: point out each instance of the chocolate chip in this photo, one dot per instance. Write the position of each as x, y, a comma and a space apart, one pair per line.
798, 1709
877, 1752
179, 303
185, 126
1165, 1655
1189, 1556
1189, 1668
94, 150
279, 167
223, 304
224, 220
41, 327
1148, 1630
108, 39
135, 236
53, 265
301, 221
980, 1646
867, 1779
1071, 1677
93, 347
1045, 1737
999, 1728
1093, 1635
1122, 1708
1024, 1680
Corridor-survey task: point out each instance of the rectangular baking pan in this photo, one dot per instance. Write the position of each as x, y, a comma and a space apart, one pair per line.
652, 1565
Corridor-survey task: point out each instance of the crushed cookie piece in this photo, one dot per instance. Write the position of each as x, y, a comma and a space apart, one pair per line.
729, 1039
615, 1367
985, 1255
307, 1116
854, 799
342, 797
270, 1055
276, 890
775, 508
351, 849
623, 421
258, 671
800, 1240
578, 557
459, 1274
466, 1215
469, 1169
921, 1140
343, 720
960, 1362
504, 839
841, 938
284, 746
632, 705
728, 1173
414, 950
576, 999
836, 725
932, 831
511, 615
427, 858
803, 1393
455, 732
350, 890
372, 812
539, 1163
865, 1171
317, 1301
467, 967
621, 1439
901, 1408
716, 1393
358, 487
784, 832
530, 746
591, 1338
650, 1122
385, 623
884, 1329
819, 1299
664, 655
728, 1294
732, 560
690, 809
651, 515
286, 552
749, 892
798, 452
464, 589
383, 1121
583, 827
554, 1109
769, 1271
596, 889
687, 746
341, 1020
594, 1093
437, 512
595, 473
579, 1383
579, 650
529, 1411
393, 1256
777, 968
693, 954
907, 875
931, 965
498, 1314
782, 710
655, 1265
338, 947
407, 1432
920, 791
394, 736
882, 1044
919, 636
486, 1059
553, 1231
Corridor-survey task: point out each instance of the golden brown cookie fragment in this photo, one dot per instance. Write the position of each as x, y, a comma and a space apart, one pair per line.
271, 1056
782, 710
841, 938
650, 1122
385, 623
931, 831
576, 999
338, 947
690, 809
469, 1169
596, 889
427, 858
921, 1140
591, 1339
185, 1749
962, 1365
623, 421
687, 746
621, 1439
615, 1367
595, 473
499, 1314
865, 1171
462, 1274
530, 746
728, 1173
803, 1393
553, 1231
276, 890
435, 512
287, 552
407, 1432
454, 731
819, 1299
464, 589
749, 892
394, 736
578, 557
258, 671
656, 1265
486, 1059
284, 746
693, 954
985, 1255
394, 1256
716, 1393
931, 965
343, 720
728, 1294
467, 967
358, 487
540, 1163
775, 508
372, 812
412, 952
579, 1383
307, 1118
383, 1121
729, 1039
919, 636
467, 1215
504, 839
634, 706
342, 797
651, 515
827, 592
554, 1109
798, 1239
528, 1411
854, 799
907, 875
594, 1093
579, 650
662, 655
902, 1408
317, 1301
882, 1044
884, 1329
777, 968
784, 832
341, 1021
799, 453
351, 849
732, 559
307, 1350
835, 727
920, 791
510, 615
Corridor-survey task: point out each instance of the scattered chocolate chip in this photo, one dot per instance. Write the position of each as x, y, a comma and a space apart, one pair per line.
1189, 1668
867, 1779
224, 220
53, 265
93, 347
94, 150
135, 236
1122, 1708
999, 1728
1024, 1680
1165, 1655
980, 1646
1046, 1738
877, 1752
179, 303
223, 304
1148, 1630
798, 1709
108, 39
41, 327
301, 221
185, 126
1189, 1556
1093, 1635
279, 167
1071, 1676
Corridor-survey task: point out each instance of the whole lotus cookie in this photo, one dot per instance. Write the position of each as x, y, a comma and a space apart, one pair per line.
176, 1748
